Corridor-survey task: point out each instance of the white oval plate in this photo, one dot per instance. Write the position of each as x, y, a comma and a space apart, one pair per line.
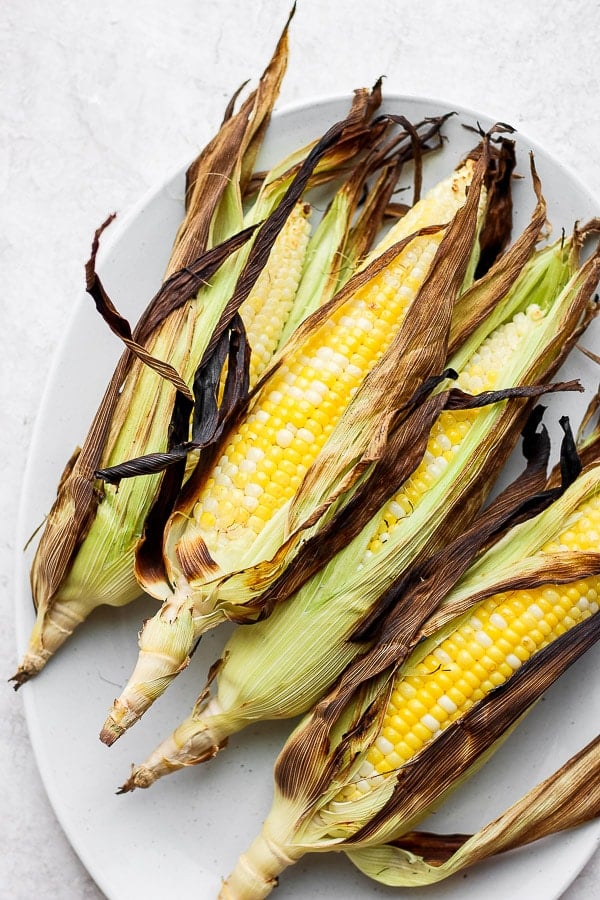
185, 833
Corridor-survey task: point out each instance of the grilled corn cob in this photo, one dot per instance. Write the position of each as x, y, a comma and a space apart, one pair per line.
343, 782
237, 517
278, 668
212, 180
86, 554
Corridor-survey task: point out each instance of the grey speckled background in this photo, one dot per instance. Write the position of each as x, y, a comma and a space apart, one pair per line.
100, 100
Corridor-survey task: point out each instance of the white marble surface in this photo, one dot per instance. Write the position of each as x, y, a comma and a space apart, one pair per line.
100, 100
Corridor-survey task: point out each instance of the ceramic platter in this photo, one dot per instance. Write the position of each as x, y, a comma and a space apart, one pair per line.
184, 834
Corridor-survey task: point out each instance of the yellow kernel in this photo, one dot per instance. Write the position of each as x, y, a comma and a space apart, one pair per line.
417, 707
421, 732
375, 755
390, 734
207, 520
456, 696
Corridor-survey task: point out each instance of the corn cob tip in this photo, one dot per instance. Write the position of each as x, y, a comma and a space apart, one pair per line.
166, 642
257, 871
117, 723
141, 777
195, 741
30, 666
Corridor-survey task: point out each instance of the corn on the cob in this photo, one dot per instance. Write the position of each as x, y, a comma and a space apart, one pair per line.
342, 781
231, 521
86, 554
270, 301
270, 452
280, 667
482, 653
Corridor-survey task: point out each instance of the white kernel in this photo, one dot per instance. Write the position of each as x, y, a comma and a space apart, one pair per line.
255, 454
304, 434
275, 397
223, 479
430, 722
253, 490
367, 770
513, 661
474, 384
438, 467
447, 704
333, 368
260, 415
396, 509
340, 360
534, 312
211, 504
444, 441
354, 371
325, 353
384, 745
483, 639
364, 323
284, 437
498, 621
535, 610
319, 386
249, 503
363, 786
313, 397
583, 604
442, 656
247, 465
